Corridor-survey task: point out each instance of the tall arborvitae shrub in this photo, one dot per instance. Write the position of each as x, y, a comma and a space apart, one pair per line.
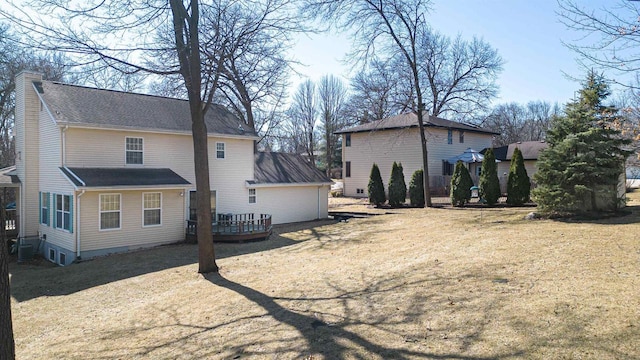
416, 189
489, 183
376, 188
461, 184
397, 186
518, 185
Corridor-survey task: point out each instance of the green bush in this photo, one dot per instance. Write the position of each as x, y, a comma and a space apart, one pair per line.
461, 184
489, 183
397, 186
518, 185
375, 187
416, 189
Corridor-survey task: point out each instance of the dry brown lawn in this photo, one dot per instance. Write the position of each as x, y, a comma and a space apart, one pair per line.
419, 284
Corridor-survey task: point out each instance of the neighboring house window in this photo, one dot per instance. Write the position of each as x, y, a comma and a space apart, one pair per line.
348, 140
359, 191
447, 168
461, 137
63, 215
152, 208
252, 196
219, 150
450, 137
347, 171
44, 208
109, 211
134, 151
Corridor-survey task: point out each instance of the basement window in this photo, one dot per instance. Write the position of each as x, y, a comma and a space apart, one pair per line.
62, 259
52, 255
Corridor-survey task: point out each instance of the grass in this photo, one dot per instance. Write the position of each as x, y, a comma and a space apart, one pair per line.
420, 283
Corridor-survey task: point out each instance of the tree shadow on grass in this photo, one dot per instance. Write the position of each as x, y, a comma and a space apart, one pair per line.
29, 281
329, 340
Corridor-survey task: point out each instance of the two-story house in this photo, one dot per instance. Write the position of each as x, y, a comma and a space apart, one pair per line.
397, 138
103, 171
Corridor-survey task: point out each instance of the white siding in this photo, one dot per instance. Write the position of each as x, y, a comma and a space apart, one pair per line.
385, 147
291, 204
106, 148
132, 234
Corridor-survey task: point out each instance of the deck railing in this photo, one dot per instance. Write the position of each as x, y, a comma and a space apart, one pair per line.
235, 224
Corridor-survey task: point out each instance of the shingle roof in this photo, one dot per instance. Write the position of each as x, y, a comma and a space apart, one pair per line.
530, 150
79, 105
114, 177
410, 119
282, 168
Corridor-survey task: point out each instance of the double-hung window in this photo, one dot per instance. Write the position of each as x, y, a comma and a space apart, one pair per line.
63, 217
461, 137
220, 150
347, 140
110, 214
252, 196
450, 137
44, 208
152, 209
134, 151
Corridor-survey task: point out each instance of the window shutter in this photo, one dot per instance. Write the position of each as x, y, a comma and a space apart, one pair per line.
40, 207
71, 213
55, 211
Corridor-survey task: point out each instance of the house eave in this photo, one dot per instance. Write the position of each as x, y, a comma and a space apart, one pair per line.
150, 130
347, 131
252, 185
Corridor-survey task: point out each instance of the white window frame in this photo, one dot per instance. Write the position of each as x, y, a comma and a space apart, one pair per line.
64, 225
221, 150
145, 209
127, 150
100, 212
253, 195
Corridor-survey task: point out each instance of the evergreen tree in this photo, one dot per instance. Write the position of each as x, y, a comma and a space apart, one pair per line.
397, 186
461, 184
489, 183
416, 190
581, 168
518, 185
376, 187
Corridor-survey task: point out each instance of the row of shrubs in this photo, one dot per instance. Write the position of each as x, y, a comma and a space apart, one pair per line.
518, 184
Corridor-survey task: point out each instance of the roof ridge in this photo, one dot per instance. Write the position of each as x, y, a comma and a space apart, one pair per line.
112, 90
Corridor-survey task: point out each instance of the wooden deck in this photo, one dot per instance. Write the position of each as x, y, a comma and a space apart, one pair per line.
235, 228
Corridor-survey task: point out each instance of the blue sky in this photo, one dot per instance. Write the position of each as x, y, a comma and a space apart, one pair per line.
527, 34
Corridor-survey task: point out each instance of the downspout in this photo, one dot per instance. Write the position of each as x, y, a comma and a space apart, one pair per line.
318, 217
78, 225
64, 145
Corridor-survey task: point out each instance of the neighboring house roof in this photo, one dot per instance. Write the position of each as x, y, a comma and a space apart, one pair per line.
85, 106
410, 120
530, 150
8, 177
122, 177
283, 168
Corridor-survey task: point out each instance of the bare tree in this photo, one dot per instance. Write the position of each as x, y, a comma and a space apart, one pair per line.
387, 27
516, 122
609, 37
331, 99
459, 75
304, 112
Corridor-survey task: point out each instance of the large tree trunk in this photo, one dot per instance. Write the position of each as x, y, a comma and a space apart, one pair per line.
188, 51
7, 346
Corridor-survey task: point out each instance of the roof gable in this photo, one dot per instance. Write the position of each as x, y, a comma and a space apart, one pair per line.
410, 119
85, 106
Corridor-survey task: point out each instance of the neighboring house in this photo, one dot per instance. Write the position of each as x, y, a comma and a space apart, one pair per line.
530, 152
397, 138
103, 171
